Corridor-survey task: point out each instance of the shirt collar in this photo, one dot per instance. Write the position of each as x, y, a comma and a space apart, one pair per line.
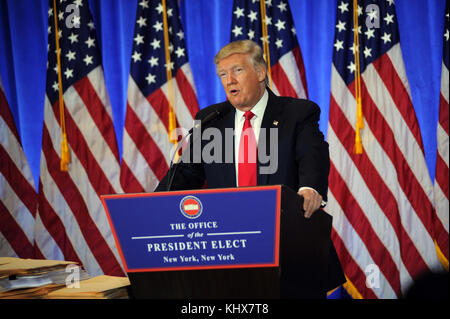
259, 107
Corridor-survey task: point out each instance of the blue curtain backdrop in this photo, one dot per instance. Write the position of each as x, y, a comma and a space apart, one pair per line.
23, 56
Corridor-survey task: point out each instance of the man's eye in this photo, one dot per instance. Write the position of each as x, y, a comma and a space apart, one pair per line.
223, 74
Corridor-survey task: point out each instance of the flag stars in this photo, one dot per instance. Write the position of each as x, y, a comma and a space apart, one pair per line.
76, 21
141, 21
55, 86
351, 67
159, 8
88, 60
389, 18
73, 38
280, 25
282, 6
68, 73
265, 39
170, 65
136, 56
359, 29
237, 31
239, 12
343, 7
70, 55
354, 49
180, 35
370, 33
279, 43
251, 34
179, 52
91, 25
367, 52
340, 26
150, 79
338, 45
89, 42
144, 4
253, 15
386, 38
139, 39
156, 44
446, 35
373, 14
153, 61
158, 26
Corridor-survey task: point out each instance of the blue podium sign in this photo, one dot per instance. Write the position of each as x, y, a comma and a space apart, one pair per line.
211, 228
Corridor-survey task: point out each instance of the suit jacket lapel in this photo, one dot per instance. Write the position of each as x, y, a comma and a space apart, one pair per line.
270, 120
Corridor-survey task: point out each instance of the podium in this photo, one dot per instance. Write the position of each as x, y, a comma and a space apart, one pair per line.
251, 242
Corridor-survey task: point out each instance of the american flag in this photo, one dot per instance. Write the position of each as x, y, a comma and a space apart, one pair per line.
286, 63
71, 223
381, 200
18, 204
151, 97
441, 191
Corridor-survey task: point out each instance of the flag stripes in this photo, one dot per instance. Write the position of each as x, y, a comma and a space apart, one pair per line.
18, 196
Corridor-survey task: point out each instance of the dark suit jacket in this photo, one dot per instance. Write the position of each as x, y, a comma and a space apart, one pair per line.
303, 158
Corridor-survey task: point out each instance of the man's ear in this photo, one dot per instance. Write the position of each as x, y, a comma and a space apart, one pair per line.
261, 72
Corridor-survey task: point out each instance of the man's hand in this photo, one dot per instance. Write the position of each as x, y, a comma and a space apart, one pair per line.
311, 201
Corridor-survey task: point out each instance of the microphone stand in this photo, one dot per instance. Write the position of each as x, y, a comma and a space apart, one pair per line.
172, 166
208, 118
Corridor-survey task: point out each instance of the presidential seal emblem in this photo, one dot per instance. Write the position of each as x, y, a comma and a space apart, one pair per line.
191, 207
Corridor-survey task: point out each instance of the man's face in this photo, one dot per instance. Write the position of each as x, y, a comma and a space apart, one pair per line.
243, 84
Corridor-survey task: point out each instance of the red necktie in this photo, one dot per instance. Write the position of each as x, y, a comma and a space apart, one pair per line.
247, 154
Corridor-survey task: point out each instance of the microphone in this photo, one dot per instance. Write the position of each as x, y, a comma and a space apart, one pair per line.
218, 111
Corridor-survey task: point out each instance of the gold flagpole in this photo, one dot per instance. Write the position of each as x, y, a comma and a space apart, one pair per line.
172, 117
265, 39
65, 154
359, 114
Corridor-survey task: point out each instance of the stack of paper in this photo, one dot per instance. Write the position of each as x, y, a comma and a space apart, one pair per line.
56, 279
100, 287
35, 278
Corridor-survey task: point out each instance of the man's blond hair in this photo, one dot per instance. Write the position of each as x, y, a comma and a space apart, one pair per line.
243, 47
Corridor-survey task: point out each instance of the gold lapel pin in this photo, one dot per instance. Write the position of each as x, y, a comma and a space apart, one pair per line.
275, 122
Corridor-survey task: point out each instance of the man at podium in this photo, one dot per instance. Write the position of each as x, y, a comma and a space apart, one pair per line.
258, 139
